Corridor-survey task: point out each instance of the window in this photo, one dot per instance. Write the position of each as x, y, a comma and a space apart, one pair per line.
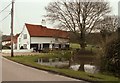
25, 46
25, 36
67, 46
19, 45
46, 46
19, 39
56, 45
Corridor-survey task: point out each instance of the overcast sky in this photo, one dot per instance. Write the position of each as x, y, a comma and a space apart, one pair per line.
30, 11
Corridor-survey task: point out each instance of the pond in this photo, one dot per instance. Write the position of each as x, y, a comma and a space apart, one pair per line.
65, 64
53, 62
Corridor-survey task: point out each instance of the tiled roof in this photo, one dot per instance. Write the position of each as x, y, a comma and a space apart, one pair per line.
41, 31
9, 38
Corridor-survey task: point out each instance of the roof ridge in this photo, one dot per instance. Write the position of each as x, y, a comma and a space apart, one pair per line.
44, 27
39, 30
36, 25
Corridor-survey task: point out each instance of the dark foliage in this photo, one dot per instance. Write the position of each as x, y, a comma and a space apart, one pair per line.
111, 60
6, 47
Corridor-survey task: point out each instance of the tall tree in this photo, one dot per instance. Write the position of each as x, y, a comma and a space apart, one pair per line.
78, 17
107, 26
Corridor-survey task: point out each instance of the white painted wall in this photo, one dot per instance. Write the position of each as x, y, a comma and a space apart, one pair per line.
61, 40
41, 39
47, 40
5, 42
22, 41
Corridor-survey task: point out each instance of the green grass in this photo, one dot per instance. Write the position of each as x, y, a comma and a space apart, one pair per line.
89, 47
30, 61
74, 45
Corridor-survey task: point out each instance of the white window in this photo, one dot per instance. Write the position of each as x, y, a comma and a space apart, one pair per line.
25, 36
25, 46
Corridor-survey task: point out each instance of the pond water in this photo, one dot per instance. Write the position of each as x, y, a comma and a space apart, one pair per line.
55, 64
87, 67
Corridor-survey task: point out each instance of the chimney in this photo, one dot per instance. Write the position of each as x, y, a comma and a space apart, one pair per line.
43, 22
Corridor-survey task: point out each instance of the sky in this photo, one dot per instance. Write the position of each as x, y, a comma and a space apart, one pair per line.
31, 11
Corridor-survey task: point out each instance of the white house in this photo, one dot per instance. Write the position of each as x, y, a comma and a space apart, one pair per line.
40, 37
7, 41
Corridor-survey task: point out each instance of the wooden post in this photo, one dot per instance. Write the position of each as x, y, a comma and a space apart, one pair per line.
12, 15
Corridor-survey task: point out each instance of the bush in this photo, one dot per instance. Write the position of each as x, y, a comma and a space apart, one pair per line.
67, 55
111, 60
85, 52
84, 56
45, 50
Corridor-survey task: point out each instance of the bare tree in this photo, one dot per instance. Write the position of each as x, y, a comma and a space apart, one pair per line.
107, 26
109, 23
78, 17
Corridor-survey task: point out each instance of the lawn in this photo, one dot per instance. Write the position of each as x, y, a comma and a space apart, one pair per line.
31, 61
74, 45
88, 47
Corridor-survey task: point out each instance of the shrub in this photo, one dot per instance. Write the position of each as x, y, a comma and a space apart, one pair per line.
45, 50
84, 56
6, 47
111, 60
67, 55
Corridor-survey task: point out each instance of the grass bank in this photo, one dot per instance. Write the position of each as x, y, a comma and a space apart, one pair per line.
31, 61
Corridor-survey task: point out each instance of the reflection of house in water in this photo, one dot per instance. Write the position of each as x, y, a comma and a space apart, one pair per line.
40, 37
7, 41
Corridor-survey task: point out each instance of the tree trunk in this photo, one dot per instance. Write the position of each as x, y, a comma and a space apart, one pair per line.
83, 45
70, 61
81, 67
82, 40
104, 35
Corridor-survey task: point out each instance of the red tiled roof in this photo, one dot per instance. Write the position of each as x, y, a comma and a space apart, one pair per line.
41, 31
9, 38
